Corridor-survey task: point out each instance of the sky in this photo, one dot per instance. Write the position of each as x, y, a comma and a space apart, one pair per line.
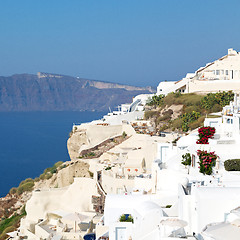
135, 42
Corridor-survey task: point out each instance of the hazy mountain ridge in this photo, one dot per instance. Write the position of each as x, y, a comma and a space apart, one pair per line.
54, 92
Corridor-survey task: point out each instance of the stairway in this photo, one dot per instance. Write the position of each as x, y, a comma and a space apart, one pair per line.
99, 201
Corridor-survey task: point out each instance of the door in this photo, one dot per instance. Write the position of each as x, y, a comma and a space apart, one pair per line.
121, 233
164, 151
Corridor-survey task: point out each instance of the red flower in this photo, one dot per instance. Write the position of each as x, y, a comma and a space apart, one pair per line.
204, 133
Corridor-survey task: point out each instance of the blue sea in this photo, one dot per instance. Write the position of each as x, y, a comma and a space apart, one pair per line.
32, 141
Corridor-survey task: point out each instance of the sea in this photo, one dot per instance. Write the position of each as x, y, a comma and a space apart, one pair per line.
33, 141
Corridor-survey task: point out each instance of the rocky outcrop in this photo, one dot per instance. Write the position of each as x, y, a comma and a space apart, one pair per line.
64, 176
76, 140
87, 136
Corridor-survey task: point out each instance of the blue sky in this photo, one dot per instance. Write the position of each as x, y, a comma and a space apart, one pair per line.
133, 42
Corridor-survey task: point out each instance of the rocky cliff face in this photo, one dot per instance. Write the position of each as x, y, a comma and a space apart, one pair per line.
52, 92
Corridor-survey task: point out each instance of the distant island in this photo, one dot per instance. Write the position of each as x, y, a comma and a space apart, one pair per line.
54, 92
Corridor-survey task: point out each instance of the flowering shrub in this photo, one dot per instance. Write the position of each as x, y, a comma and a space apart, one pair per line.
204, 133
207, 161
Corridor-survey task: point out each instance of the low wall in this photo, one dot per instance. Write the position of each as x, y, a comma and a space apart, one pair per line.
214, 86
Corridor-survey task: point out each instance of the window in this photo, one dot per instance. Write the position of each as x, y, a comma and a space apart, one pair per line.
226, 72
230, 121
222, 72
217, 72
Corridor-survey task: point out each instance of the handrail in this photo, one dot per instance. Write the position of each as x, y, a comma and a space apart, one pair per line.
101, 189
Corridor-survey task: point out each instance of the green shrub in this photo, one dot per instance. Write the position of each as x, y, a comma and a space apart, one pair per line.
163, 118
8, 229
90, 173
51, 170
197, 123
163, 127
156, 100
36, 179
168, 112
47, 170
186, 159
189, 118
124, 135
220, 98
172, 98
58, 164
126, 218
48, 175
63, 166
216, 108
26, 181
177, 123
195, 108
26, 187
10, 224
42, 176
189, 99
13, 190
232, 165
150, 114
189, 109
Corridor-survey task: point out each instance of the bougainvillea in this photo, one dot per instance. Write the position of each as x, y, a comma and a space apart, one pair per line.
207, 160
204, 133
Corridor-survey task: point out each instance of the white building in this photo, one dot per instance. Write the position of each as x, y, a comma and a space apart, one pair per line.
201, 201
148, 223
227, 126
220, 75
228, 229
127, 112
165, 199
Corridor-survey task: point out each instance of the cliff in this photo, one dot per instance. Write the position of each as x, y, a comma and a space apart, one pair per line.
54, 92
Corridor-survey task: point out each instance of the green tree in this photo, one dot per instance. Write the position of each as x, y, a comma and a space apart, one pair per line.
189, 118
156, 100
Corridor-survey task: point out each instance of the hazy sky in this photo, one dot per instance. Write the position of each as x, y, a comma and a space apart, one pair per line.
127, 41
